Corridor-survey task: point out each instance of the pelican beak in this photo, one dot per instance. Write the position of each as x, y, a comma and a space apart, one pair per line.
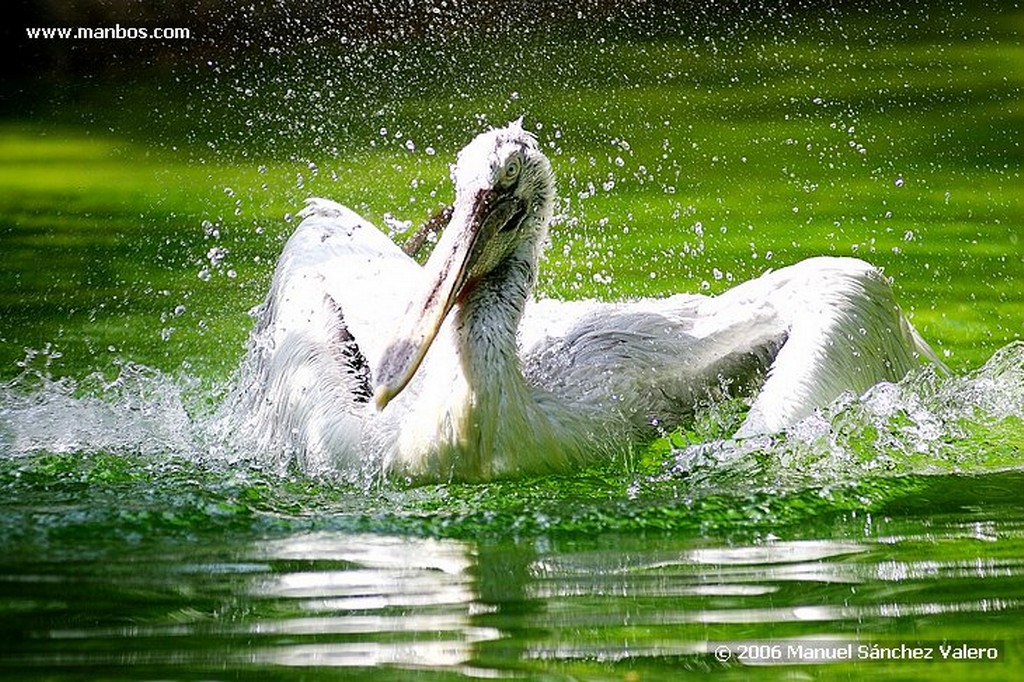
450, 271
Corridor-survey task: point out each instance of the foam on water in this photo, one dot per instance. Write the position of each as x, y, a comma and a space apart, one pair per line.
141, 411
926, 424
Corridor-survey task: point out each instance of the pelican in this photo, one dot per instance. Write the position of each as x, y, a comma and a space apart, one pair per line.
363, 360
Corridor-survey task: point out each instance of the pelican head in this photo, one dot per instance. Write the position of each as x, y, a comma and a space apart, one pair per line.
504, 196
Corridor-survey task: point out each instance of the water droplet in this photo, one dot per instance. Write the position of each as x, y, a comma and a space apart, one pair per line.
215, 255
396, 225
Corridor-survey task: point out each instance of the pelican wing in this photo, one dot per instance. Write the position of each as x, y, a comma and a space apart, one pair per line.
794, 339
304, 389
339, 265
845, 333
647, 362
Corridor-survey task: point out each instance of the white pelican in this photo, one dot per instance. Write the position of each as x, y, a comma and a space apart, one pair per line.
361, 359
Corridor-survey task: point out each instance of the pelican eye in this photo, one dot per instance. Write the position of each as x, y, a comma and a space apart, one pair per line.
512, 169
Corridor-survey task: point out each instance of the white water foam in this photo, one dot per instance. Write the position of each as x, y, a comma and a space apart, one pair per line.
926, 424
920, 425
140, 411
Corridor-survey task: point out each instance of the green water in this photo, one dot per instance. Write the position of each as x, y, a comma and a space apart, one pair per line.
140, 218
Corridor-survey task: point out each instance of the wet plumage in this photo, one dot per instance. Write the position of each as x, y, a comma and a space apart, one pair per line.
364, 361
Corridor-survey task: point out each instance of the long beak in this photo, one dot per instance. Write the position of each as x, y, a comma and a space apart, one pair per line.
448, 271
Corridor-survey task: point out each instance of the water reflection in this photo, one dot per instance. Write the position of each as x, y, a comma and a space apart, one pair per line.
412, 602
394, 601
675, 600
495, 607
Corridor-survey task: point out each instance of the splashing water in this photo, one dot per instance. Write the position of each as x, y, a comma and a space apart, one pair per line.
926, 424
141, 411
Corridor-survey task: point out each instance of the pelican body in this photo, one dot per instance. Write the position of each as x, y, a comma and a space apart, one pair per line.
362, 360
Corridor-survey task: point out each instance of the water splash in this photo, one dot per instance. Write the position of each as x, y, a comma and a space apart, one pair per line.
926, 424
140, 411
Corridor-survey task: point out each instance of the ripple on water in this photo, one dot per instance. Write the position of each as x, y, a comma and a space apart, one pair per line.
501, 606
